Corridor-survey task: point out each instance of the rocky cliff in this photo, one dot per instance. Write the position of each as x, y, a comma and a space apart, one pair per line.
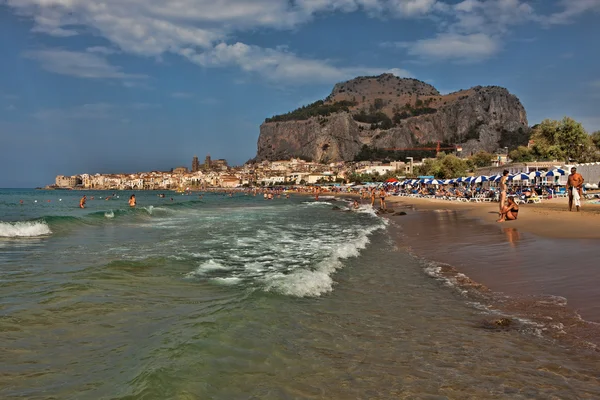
390, 112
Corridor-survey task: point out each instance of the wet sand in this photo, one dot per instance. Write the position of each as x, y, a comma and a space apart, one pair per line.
543, 267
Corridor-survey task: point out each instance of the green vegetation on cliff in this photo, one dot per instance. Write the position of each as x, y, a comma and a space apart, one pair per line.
318, 108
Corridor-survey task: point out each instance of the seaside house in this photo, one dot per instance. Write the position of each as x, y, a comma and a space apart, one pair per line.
67, 181
229, 181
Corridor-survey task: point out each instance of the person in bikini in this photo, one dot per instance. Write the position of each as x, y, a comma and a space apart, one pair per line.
510, 212
382, 199
503, 189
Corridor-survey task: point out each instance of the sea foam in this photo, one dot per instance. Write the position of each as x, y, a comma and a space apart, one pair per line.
24, 229
314, 283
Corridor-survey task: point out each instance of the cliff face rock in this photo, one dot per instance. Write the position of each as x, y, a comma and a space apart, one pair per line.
389, 112
332, 138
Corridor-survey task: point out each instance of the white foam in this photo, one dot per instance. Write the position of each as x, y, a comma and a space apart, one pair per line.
317, 203
24, 229
231, 280
304, 283
314, 283
109, 214
210, 265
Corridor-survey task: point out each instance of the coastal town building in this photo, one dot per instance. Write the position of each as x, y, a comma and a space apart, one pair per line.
62, 181
195, 164
180, 170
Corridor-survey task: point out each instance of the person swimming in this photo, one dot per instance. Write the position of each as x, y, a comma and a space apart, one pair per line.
132, 201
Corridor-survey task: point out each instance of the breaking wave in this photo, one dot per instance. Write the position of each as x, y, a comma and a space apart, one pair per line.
24, 229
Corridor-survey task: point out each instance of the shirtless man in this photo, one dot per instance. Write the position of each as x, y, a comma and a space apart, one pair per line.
574, 186
82, 202
503, 189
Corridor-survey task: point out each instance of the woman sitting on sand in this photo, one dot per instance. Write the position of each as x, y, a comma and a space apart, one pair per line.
510, 211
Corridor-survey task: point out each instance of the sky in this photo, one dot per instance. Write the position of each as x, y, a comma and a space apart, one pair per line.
106, 86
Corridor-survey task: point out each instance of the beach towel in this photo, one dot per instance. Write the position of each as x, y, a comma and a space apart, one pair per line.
576, 198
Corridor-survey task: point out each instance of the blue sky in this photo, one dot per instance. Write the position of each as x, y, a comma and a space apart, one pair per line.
137, 85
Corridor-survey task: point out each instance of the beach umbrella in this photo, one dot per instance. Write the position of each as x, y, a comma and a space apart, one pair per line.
391, 180
459, 180
535, 174
519, 177
481, 179
556, 172
495, 178
435, 182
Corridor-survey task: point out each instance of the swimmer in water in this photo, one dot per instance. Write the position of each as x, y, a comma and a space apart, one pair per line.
132, 200
82, 201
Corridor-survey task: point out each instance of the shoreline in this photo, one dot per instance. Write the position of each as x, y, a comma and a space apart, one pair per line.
523, 270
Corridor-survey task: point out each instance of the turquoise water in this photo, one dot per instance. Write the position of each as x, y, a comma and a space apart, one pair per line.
240, 298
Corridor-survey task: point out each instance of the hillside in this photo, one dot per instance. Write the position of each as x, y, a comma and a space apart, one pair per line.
389, 112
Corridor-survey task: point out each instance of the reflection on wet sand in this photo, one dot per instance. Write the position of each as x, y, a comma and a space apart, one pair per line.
512, 235
533, 276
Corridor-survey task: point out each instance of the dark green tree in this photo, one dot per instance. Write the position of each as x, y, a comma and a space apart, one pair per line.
482, 159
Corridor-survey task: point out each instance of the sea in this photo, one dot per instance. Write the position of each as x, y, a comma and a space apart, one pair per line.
231, 296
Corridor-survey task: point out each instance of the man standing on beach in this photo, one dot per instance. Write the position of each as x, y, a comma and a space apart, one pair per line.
574, 186
503, 189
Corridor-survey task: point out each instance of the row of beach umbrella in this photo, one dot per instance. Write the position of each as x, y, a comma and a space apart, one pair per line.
480, 179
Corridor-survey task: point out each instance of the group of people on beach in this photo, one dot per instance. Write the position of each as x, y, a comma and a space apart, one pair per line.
509, 209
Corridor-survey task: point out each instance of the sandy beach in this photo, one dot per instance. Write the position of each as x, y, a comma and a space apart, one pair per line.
550, 218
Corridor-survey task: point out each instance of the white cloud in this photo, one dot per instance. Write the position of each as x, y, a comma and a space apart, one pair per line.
201, 30
411, 8
469, 31
78, 64
181, 95
571, 10
456, 47
277, 65
101, 50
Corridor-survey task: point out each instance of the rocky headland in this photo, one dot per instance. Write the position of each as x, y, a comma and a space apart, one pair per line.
389, 112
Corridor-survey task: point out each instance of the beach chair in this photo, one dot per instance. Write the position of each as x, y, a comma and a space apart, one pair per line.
561, 192
534, 200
